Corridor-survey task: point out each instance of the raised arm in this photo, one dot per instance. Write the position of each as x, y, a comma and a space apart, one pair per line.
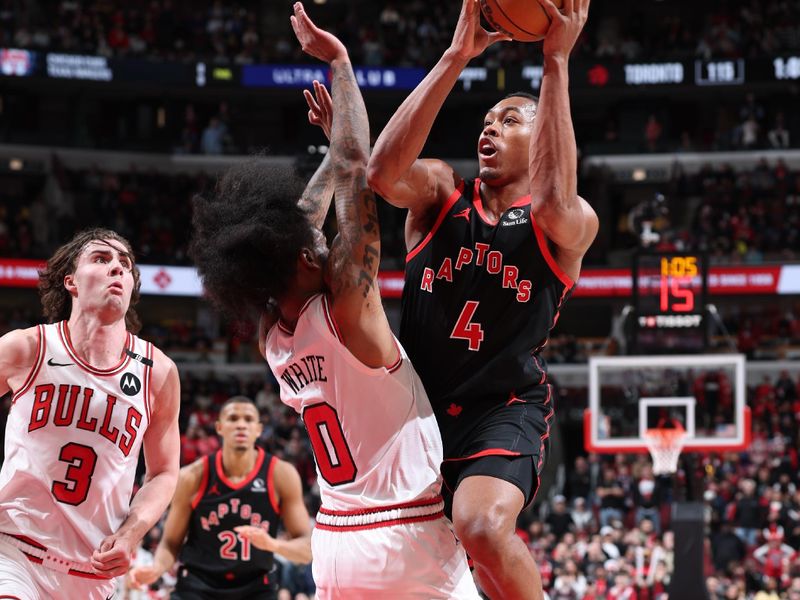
316, 198
565, 218
161, 452
395, 170
355, 254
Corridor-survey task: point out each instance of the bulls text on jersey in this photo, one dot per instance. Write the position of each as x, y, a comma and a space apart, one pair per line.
72, 407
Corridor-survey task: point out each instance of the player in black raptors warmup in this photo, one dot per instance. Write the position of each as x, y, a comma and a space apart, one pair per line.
229, 504
490, 263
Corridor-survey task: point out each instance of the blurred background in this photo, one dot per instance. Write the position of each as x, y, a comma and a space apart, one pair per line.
117, 113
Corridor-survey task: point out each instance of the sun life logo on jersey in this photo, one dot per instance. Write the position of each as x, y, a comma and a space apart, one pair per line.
516, 216
258, 485
130, 384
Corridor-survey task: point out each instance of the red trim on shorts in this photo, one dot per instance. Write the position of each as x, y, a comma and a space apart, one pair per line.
448, 204
39, 561
203, 484
482, 453
63, 331
29, 541
541, 240
273, 494
513, 398
329, 320
3, 597
535, 358
543, 437
379, 509
37, 365
400, 521
247, 479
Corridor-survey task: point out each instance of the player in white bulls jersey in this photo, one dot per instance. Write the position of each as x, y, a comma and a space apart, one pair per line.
87, 396
380, 532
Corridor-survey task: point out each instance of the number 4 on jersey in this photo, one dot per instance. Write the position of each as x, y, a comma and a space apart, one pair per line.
466, 330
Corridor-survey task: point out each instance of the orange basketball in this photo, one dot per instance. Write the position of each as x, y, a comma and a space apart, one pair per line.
523, 20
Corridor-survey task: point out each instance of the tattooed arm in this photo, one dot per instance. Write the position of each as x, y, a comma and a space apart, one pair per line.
316, 198
355, 255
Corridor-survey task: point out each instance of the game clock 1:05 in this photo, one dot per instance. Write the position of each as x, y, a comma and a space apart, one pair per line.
675, 283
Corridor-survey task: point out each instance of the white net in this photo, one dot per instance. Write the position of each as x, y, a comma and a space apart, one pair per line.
665, 447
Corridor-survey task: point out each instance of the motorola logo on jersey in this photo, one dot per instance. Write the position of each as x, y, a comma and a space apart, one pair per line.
130, 384
258, 485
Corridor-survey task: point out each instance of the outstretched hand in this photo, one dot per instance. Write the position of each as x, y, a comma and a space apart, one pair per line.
314, 41
565, 25
470, 39
320, 107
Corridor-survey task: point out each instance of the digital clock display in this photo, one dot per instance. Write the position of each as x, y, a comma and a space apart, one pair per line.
670, 302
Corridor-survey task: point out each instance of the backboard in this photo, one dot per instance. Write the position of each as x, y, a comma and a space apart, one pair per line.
705, 393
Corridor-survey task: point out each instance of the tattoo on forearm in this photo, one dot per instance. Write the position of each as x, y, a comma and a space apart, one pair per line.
356, 209
316, 198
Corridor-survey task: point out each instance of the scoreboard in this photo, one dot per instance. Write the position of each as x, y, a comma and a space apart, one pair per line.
669, 299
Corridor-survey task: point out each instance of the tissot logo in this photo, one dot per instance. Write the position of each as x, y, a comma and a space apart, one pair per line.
130, 384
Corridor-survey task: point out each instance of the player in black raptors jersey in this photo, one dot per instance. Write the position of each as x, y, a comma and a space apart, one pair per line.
226, 508
490, 262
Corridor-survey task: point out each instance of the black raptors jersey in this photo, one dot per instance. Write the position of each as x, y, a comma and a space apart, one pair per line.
479, 301
213, 552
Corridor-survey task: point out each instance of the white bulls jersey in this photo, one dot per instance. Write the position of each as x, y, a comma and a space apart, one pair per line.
375, 438
72, 444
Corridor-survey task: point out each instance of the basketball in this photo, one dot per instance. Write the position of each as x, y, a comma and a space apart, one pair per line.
523, 20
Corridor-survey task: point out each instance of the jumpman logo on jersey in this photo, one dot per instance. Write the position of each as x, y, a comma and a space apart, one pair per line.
464, 213
213, 490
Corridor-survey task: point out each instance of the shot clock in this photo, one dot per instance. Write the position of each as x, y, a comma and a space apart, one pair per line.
669, 298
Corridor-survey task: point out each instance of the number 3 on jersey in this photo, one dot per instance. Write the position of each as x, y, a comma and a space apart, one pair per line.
334, 459
466, 330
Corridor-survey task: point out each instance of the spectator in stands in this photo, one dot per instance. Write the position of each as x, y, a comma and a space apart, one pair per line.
583, 517
647, 496
726, 547
747, 513
652, 133
560, 520
214, 135
611, 495
778, 136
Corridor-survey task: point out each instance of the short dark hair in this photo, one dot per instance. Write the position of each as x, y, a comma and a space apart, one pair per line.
247, 236
57, 301
527, 95
238, 400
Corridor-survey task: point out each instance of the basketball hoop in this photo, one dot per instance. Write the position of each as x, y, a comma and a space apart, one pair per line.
665, 447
